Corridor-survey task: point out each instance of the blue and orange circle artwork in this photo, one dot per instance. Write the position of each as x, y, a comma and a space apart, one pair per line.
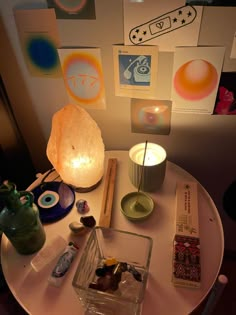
70, 6
83, 77
42, 53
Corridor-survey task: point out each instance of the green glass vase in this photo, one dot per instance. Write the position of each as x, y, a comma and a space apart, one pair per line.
19, 219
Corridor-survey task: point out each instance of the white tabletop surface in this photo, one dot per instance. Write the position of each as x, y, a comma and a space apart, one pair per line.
32, 291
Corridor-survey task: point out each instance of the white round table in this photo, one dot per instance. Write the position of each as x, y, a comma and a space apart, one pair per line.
32, 291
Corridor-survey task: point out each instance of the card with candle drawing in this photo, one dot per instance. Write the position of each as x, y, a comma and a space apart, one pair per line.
135, 70
150, 116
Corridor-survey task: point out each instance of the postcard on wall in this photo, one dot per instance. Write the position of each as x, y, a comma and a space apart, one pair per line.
196, 75
39, 40
166, 24
223, 3
76, 9
226, 96
135, 71
150, 116
83, 76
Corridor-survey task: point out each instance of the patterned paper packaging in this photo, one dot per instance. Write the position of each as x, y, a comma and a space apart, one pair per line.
186, 251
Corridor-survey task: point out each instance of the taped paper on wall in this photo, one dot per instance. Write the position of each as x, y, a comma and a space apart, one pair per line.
83, 76
164, 23
196, 75
135, 69
39, 39
76, 9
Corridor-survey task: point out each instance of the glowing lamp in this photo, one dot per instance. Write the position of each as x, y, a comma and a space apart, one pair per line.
75, 148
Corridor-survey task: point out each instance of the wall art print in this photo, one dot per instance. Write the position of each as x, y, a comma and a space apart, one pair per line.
226, 96
75, 9
39, 40
196, 75
167, 24
135, 69
83, 76
150, 116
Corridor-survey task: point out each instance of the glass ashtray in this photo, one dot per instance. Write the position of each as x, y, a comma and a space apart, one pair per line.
111, 277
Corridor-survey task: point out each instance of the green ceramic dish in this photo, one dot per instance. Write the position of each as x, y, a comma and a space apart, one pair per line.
137, 206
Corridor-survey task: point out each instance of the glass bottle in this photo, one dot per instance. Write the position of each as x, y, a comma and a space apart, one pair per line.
19, 219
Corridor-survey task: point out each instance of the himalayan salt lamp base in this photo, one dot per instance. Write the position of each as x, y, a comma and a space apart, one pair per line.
85, 189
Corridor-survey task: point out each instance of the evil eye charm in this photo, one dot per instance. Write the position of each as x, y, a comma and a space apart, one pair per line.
54, 200
48, 199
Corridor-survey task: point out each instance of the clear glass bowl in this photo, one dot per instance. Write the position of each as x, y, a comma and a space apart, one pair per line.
131, 248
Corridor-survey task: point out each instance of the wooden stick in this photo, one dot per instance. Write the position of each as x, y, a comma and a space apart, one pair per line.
105, 215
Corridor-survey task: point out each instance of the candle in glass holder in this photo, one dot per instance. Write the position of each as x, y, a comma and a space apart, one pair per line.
154, 167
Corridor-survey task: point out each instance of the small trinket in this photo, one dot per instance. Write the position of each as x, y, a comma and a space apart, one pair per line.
63, 264
110, 261
101, 271
137, 275
82, 206
120, 267
88, 221
115, 280
105, 282
109, 275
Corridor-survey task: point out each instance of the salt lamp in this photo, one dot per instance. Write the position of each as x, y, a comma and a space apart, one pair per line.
75, 148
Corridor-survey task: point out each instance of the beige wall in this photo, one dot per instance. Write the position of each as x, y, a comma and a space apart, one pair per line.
21, 104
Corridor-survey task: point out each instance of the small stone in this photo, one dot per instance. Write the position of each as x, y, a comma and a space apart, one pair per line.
101, 272
77, 227
128, 286
105, 282
110, 261
120, 267
88, 221
115, 280
137, 275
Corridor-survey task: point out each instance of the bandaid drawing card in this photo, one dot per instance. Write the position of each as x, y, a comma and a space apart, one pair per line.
39, 40
135, 71
83, 76
196, 75
164, 23
150, 116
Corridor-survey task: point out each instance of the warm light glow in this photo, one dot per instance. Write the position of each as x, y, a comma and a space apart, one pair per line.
75, 147
151, 157
82, 161
155, 154
155, 109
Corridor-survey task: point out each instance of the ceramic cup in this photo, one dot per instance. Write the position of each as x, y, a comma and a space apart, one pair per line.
154, 168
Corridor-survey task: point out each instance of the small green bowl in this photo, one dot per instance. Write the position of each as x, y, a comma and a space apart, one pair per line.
137, 206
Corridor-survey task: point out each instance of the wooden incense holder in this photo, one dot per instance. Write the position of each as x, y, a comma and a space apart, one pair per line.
105, 215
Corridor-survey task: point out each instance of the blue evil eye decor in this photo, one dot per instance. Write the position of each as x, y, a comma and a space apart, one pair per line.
54, 200
48, 199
